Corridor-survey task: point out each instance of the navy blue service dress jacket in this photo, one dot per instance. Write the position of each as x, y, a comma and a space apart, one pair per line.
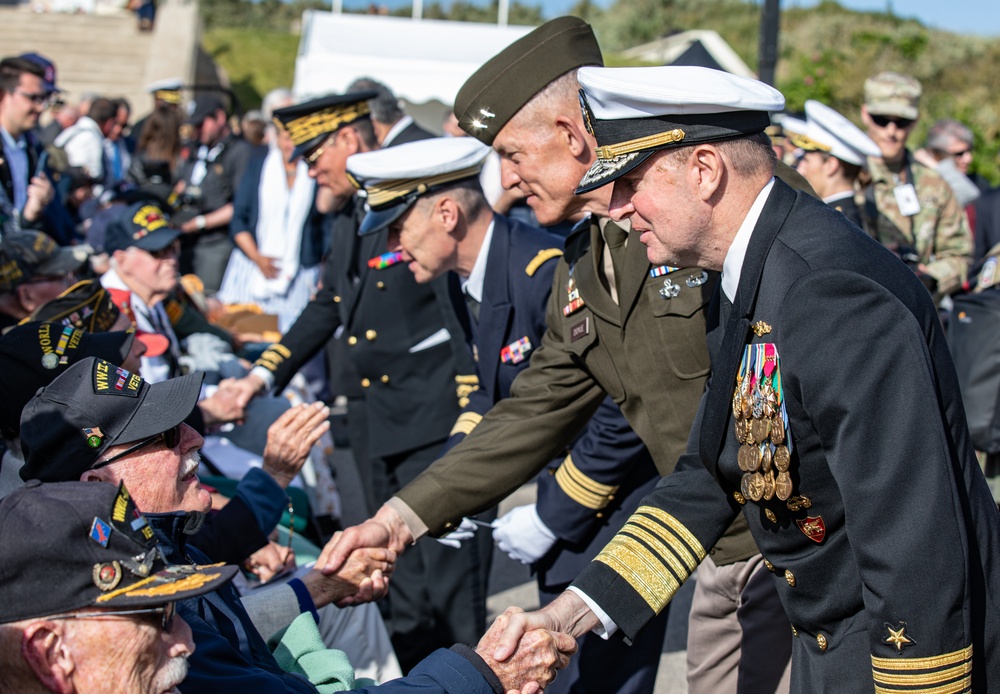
885, 547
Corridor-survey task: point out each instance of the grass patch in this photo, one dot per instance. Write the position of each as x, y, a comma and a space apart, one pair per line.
255, 60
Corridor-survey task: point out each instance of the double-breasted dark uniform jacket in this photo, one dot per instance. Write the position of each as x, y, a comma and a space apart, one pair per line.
647, 352
886, 553
590, 491
400, 363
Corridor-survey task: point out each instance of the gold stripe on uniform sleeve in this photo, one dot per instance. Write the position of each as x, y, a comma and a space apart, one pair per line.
941, 674
582, 489
540, 259
654, 553
280, 349
469, 380
465, 423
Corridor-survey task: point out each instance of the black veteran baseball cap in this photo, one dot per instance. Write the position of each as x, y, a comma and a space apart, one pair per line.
77, 545
308, 124
393, 178
32, 354
507, 81
141, 224
636, 111
95, 405
28, 255
86, 305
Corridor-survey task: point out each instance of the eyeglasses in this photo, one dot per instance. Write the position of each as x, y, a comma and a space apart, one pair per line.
314, 157
171, 438
959, 154
168, 252
36, 99
883, 121
167, 613
67, 277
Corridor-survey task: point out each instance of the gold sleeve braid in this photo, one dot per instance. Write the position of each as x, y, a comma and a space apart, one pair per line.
950, 673
582, 489
465, 385
273, 356
465, 423
654, 553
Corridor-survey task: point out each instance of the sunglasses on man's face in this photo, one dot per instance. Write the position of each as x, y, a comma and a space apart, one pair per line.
166, 613
171, 438
883, 121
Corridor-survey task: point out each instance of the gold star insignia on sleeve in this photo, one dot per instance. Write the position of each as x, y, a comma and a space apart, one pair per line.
897, 637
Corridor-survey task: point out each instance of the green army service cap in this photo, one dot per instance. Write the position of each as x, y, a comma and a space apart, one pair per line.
507, 81
893, 94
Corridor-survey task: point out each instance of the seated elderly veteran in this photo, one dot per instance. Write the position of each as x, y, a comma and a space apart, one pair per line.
88, 602
101, 422
98, 422
33, 269
238, 532
31, 355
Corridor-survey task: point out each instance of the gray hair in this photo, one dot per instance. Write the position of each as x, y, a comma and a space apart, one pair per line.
941, 134
275, 99
385, 106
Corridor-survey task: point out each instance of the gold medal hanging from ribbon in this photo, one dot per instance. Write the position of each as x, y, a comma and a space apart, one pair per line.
761, 423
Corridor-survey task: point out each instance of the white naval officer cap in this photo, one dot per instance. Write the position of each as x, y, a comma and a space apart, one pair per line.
393, 178
791, 125
634, 112
829, 131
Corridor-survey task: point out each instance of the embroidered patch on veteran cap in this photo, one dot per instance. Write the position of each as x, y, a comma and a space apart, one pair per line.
507, 81
309, 123
634, 112
393, 178
86, 305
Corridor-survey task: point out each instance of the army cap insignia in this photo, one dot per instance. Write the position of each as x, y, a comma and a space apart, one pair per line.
100, 532
95, 437
107, 575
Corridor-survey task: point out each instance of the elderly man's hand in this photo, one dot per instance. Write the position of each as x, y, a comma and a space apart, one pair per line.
363, 578
40, 193
540, 653
244, 389
290, 439
271, 560
221, 407
385, 529
567, 614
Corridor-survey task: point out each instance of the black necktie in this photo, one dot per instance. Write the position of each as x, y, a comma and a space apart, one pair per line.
725, 308
473, 305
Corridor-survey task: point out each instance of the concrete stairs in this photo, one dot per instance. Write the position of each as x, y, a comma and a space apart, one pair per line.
104, 52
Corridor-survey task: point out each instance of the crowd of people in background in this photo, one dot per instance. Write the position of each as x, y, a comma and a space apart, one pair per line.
161, 277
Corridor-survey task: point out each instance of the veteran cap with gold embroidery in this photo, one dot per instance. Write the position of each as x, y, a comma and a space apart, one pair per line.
76, 545
143, 225
830, 132
311, 122
393, 178
28, 255
33, 354
636, 111
507, 81
94, 405
86, 305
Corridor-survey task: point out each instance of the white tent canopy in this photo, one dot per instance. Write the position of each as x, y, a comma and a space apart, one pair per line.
420, 60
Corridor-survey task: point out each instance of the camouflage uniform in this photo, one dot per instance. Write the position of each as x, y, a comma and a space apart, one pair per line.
939, 233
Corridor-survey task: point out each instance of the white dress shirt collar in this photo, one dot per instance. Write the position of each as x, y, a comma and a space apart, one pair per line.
733, 264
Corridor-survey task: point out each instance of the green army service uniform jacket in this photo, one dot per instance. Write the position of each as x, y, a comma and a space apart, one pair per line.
648, 352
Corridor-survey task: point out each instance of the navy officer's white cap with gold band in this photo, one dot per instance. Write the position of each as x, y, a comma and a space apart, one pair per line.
829, 131
634, 112
393, 178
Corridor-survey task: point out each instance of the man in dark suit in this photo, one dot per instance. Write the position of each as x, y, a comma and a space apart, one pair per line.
392, 125
439, 219
27, 197
833, 421
400, 346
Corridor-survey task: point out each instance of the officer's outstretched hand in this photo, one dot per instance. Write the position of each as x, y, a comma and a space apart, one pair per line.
522, 534
363, 578
385, 530
567, 614
243, 389
533, 665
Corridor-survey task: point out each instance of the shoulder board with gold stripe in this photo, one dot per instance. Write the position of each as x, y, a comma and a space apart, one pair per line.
540, 259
